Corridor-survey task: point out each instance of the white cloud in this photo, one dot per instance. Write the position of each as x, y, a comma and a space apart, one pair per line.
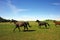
56, 4
29, 18
14, 8
53, 17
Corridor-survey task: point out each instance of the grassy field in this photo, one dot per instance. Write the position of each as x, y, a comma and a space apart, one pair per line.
35, 33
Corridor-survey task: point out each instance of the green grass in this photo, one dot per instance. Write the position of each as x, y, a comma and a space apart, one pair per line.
6, 32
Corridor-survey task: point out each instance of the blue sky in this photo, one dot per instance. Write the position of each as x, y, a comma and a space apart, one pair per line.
30, 9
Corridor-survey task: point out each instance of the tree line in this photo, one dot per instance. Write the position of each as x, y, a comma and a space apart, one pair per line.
6, 20
12, 20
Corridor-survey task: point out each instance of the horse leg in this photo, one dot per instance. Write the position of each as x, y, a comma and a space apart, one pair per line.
48, 24
39, 25
45, 25
24, 28
27, 28
14, 28
19, 29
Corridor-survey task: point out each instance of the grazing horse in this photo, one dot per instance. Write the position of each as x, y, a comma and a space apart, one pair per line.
20, 24
56, 23
42, 23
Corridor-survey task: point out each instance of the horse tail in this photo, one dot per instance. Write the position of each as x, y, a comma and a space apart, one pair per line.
47, 24
28, 24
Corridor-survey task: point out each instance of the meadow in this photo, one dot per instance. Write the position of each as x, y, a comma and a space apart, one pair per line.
34, 33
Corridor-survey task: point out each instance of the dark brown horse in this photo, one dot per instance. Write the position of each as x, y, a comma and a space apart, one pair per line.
21, 24
40, 23
56, 22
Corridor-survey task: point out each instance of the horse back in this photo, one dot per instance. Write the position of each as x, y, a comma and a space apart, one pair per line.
20, 23
42, 23
57, 23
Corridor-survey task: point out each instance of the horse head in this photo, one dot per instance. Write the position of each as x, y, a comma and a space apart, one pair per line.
37, 21
14, 21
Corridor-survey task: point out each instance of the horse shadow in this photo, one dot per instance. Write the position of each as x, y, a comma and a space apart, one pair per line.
44, 28
29, 30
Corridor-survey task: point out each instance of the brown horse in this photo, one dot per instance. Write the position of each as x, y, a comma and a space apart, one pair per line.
56, 22
21, 24
42, 23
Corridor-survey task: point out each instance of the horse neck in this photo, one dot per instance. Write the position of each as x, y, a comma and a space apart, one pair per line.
15, 22
39, 22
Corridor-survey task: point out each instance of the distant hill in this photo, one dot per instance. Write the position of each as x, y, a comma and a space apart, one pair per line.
4, 20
